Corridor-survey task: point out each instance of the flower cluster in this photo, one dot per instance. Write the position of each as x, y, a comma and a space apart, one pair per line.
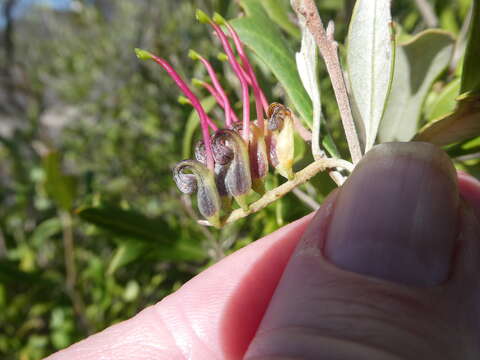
232, 160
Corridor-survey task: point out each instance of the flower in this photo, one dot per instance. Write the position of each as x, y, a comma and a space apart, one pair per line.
232, 160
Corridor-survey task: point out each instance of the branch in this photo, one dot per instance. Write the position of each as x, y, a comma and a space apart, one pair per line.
300, 178
328, 48
427, 13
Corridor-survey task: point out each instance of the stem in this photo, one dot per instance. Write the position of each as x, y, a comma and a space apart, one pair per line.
204, 119
328, 48
243, 81
300, 178
70, 268
218, 87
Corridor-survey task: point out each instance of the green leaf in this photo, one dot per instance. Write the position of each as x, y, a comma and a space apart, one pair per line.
10, 273
157, 238
60, 187
445, 102
126, 253
261, 35
370, 57
471, 146
129, 224
418, 63
192, 124
278, 12
46, 230
471, 70
462, 124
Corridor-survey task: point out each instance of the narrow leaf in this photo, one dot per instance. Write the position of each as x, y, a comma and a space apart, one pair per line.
278, 12
62, 188
370, 57
445, 102
128, 223
468, 147
471, 70
126, 253
418, 63
307, 69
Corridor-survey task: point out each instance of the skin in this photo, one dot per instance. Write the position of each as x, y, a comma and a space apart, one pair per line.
309, 291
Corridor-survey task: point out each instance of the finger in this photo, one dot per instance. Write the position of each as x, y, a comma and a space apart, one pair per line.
470, 191
213, 316
370, 278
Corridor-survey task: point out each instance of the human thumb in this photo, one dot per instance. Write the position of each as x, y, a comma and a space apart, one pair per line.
369, 279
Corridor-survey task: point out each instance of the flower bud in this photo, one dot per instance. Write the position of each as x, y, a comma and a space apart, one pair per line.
200, 180
257, 150
230, 149
220, 169
280, 122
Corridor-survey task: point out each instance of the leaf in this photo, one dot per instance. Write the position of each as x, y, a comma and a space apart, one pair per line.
370, 57
158, 239
11, 274
128, 223
307, 68
462, 124
60, 187
471, 70
126, 253
278, 12
445, 102
418, 63
471, 146
45, 230
261, 35
192, 124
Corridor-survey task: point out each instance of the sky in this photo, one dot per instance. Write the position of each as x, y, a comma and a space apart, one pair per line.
23, 6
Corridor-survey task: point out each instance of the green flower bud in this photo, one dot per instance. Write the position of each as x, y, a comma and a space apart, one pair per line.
202, 16
230, 150
280, 122
200, 180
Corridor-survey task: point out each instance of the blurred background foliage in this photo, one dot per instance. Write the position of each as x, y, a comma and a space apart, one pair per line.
92, 227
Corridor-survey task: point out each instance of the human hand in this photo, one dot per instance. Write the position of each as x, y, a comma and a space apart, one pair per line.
388, 268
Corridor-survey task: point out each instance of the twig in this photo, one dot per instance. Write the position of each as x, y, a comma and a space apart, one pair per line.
328, 48
300, 177
306, 199
427, 13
